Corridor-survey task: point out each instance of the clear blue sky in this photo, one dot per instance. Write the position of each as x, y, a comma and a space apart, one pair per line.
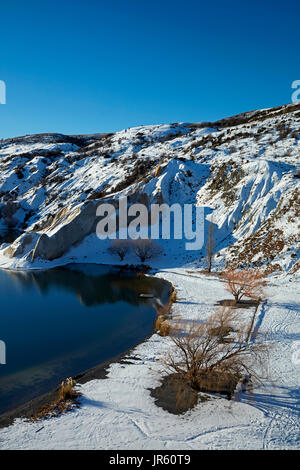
93, 66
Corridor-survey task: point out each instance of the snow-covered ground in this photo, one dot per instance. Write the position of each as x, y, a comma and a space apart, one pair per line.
242, 171
119, 413
245, 172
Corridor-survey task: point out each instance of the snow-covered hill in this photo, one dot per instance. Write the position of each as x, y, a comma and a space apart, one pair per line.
244, 170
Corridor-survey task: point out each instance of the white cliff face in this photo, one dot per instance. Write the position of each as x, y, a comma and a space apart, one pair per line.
242, 169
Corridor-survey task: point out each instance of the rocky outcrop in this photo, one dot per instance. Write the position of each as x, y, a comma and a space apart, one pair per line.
244, 170
68, 227
22, 245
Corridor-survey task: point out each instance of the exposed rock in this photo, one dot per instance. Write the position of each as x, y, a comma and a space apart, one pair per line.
22, 244
242, 169
68, 227
71, 226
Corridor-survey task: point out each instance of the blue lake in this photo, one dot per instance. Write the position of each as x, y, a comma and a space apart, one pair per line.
61, 322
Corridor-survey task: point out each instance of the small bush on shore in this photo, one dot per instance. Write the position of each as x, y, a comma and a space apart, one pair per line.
206, 362
67, 389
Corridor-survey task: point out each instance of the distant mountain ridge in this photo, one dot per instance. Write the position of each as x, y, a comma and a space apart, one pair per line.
244, 169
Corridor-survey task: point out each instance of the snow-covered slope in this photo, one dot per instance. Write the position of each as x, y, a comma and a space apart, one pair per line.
119, 412
242, 169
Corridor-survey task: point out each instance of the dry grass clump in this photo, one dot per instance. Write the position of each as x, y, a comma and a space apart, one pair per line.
67, 389
162, 326
173, 296
68, 399
144, 249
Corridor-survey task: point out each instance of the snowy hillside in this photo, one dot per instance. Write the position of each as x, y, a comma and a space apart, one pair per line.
244, 170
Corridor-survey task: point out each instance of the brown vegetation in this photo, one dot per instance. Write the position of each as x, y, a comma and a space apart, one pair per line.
119, 247
208, 360
244, 283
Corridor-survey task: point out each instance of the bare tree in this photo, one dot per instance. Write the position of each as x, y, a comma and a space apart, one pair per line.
244, 283
146, 249
208, 362
119, 247
210, 246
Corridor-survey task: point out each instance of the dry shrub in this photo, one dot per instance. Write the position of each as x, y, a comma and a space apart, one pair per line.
146, 249
67, 401
222, 322
210, 364
8, 212
173, 296
210, 246
67, 389
162, 326
119, 247
244, 283
157, 171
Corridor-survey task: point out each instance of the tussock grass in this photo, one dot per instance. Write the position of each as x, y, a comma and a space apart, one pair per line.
68, 399
162, 326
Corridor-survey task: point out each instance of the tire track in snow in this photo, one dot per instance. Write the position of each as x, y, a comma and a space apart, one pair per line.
283, 418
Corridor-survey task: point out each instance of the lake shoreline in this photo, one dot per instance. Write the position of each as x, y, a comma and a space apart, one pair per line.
32, 407
100, 371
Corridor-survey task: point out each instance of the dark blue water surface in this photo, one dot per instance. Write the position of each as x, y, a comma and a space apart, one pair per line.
61, 322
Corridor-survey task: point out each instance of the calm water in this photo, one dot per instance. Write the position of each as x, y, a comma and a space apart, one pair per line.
60, 322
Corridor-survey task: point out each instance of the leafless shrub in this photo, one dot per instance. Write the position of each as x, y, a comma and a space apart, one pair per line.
207, 362
146, 249
244, 283
119, 247
162, 326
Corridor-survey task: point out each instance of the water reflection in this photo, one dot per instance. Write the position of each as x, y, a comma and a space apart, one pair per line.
60, 322
92, 284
